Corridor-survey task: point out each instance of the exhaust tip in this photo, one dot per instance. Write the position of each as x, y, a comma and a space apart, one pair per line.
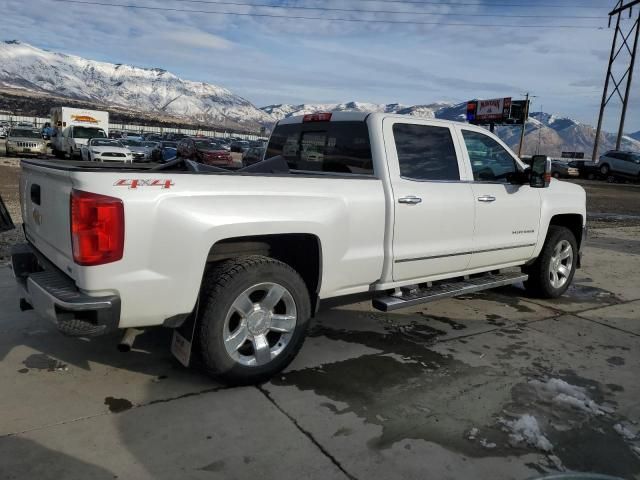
128, 338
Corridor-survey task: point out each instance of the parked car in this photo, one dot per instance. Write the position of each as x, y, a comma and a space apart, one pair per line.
25, 141
140, 150
561, 169
205, 151
3, 131
616, 163
240, 146
174, 136
586, 169
164, 151
152, 137
220, 144
105, 150
401, 209
253, 155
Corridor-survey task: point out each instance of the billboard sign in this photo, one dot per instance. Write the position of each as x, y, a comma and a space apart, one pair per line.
493, 110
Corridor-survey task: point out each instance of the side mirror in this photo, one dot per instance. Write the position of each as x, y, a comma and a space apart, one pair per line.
540, 175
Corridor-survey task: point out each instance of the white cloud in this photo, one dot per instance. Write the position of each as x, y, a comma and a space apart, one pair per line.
196, 39
269, 60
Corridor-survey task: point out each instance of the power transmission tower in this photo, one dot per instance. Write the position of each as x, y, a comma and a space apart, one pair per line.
621, 7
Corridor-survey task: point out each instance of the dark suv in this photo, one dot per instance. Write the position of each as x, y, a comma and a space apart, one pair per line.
204, 150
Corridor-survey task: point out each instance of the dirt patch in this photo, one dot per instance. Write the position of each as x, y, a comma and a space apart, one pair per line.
9, 180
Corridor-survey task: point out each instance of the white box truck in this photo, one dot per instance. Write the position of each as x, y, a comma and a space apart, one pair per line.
73, 127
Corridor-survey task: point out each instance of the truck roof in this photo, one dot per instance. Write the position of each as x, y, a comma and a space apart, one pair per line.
360, 116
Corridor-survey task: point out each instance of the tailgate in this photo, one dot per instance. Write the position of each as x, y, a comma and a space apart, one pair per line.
45, 200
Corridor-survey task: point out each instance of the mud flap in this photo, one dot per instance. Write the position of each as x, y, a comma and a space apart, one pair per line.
184, 338
6, 223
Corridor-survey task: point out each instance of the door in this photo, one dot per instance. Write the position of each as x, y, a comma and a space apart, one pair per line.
615, 162
434, 209
626, 164
507, 216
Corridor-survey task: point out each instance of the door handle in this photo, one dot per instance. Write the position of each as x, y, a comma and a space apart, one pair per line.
410, 200
487, 198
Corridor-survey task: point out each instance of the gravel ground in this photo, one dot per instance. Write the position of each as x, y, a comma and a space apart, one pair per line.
9, 175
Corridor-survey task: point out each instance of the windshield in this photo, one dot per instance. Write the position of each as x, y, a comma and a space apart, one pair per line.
88, 132
149, 144
105, 143
132, 143
24, 133
206, 144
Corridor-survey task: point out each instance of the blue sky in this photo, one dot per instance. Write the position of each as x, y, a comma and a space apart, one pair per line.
279, 60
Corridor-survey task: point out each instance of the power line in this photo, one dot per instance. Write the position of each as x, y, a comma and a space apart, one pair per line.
476, 4
300, 17
352, 10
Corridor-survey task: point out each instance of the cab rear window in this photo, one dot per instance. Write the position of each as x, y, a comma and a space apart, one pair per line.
330, 147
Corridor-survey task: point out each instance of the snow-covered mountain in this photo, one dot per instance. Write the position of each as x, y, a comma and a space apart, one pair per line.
545, 133
28, 69
28, 73
433, 110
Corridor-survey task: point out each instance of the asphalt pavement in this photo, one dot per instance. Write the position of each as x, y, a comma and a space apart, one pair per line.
489, 386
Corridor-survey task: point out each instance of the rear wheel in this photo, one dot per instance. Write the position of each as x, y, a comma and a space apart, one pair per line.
254, 314
552, 272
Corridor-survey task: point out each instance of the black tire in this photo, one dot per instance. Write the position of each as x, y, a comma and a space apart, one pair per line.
556, 175
539, 283
604, 169
222, 285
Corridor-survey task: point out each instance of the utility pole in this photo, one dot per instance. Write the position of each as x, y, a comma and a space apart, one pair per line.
539, 133
524, 122
628, 73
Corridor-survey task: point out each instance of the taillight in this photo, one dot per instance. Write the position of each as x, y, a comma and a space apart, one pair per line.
97, 228
317, 117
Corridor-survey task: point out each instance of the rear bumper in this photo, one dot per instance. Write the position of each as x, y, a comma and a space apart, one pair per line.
55, 297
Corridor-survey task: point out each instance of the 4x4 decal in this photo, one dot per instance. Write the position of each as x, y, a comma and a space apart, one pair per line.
137, 183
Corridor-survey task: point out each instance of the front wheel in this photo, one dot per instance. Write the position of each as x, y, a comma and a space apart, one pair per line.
604, 170
552, 272
253, 318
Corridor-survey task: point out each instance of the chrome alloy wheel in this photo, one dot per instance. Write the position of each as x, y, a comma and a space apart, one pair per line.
561, 264
259, 324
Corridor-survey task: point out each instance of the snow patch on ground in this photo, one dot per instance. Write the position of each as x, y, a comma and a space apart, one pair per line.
562, 393
625, 431
526, 431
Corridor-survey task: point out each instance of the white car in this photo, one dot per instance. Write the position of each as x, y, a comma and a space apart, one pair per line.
399, 209
105, 150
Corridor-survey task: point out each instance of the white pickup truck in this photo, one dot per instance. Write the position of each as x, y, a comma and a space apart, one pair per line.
398, 209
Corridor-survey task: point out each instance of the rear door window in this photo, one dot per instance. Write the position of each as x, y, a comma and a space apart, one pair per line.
331, 147
425, 152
